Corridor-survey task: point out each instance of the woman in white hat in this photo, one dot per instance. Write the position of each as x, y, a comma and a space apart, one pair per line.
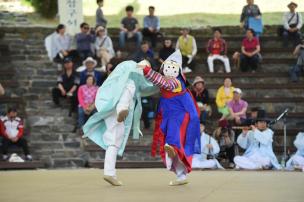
201, 95
103, 46
90, 65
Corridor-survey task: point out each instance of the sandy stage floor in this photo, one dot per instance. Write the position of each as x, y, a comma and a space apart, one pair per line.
86, 185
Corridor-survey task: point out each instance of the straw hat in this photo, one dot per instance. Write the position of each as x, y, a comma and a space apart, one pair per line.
198, 79
89, 59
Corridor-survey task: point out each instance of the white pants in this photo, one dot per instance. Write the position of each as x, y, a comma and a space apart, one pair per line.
256, 161
298, 161
114, 135
225, 60
198, 162
177, 166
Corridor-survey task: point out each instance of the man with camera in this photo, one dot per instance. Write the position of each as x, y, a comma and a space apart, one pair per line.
209, 150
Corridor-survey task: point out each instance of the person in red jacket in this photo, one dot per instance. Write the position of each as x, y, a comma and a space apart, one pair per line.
11, 128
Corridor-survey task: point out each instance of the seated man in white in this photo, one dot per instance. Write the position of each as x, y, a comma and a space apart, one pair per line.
297, 160
209, 149
258, 145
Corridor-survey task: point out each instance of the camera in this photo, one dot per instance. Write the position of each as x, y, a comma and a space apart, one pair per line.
210, 156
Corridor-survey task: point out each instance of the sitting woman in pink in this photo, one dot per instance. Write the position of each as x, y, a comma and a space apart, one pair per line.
86, 99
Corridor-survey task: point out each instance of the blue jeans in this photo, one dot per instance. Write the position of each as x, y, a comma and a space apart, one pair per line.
82, 117
123, 36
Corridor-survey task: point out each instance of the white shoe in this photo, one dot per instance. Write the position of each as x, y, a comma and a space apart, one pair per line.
15, 158
112, 180
187, 70
4, 157
178, 182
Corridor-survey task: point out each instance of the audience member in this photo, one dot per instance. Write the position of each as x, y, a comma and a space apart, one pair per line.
11, 129
217, 50
90, 65
250, 57
63, 44
84, 40
67, 84
129, 28
297, 160
187, 46
104, 47
145, 53
223, 96
201, 95
258, 145
252, 116
2, 107
250, 10
292, 22
237, 107
151, 26
209, 151
100, 19
86, 100
225, 137
296, 71
165, 51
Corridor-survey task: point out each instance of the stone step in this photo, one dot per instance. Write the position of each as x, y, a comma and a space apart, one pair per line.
21, 166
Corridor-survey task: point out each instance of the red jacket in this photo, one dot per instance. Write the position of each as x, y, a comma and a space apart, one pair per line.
8, 125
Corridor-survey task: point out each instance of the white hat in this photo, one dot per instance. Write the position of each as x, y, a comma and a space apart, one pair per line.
176, 57
89, 59
237, 90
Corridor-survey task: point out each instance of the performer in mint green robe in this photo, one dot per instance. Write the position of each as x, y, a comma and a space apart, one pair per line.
118, 104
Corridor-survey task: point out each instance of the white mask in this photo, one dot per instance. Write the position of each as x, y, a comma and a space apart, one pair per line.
171, 69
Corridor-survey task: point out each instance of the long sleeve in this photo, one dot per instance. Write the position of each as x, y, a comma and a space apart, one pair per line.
225, 47
243, 15
159, 80
194, 47
20, 129
157, 24
285, 21
177, 45
219, 100
299, 141
209, 46
2, 129
300, 21
146, 23
264, 137
216, 147
80, 97
242, 141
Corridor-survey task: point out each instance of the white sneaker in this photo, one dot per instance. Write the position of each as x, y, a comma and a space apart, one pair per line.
4, 157
29, 157
15, 158
187, 70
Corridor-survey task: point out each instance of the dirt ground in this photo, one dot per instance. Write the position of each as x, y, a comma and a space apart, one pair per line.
86, 185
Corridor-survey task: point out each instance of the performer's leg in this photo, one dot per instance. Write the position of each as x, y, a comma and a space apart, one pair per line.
110, 161
245, 163
180, 171
125, 101
298, 162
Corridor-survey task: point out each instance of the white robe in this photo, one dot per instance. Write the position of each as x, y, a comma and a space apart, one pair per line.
200, 160
297, 160
259, 152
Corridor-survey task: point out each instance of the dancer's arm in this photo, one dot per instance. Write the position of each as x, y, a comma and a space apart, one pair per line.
159, 80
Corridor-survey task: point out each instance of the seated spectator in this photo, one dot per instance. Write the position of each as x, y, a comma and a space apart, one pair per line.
86, 100
129, 28
100, 19
151, 26
223, 96
67, 84
187, 46
145, 53
84, 39
104, 47
296, 71
250, 10
90, 65
2, 91
147, 111
250, 57
225, 137
201, 95
166, 51
11, 129
297, 160
237, 107
209, 151
258, 145
217, 50
62, 45
293, 23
